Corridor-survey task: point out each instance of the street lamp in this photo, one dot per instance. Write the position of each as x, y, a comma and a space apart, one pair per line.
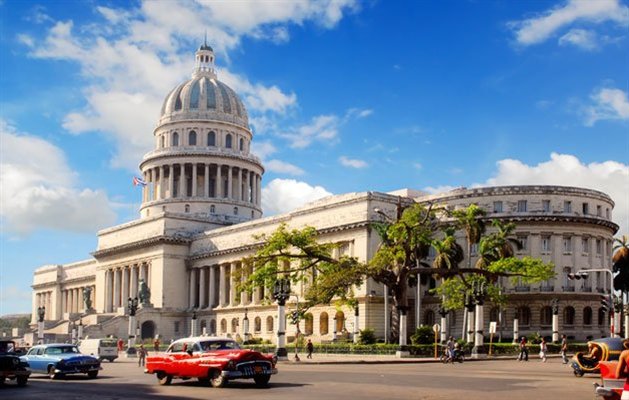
81, 327
193, 324
469, 309
555, 307
132, 308
245, 326
479, 293
281, 292
444, 323
41, 314
334, 330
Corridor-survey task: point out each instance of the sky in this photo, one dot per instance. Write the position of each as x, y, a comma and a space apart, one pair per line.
343, 96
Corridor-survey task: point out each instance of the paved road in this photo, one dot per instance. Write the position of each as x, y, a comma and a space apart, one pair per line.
510, 380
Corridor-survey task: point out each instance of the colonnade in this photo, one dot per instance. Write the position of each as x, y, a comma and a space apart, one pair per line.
122, 283
202, 180
215, 286
72, 300
44, 299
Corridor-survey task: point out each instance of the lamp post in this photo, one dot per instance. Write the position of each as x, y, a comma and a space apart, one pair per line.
245, 327
193, 324
480, 291
132, 308
555, 307
469, 309
387, 314
81, 328
334, 329
356, 328
41, 314
281, 292
584, 273
516, 328
444, 323
73, 332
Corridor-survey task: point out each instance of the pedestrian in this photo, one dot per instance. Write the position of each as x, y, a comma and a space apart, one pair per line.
524, 351
120, 345
309, 348
564, 349
543, 349
141, 355
156, 344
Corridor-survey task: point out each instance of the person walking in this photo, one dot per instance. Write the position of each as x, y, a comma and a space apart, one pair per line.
524, 351
309, 348
543, 349
564, 349
120, 345
141, 355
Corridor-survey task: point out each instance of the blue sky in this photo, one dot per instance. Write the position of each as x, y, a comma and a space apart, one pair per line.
343, 96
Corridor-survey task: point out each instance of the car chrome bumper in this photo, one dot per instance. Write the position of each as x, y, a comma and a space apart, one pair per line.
240, 375
77, 370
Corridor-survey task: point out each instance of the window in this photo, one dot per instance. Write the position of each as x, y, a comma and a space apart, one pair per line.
241, 145
599, 211
497, 206
223, 325
234, 325
546, 316
269, 324
212, 209
524, 316
211, 139
429, 318
309, 322
524, 243
546, 205
607, 213
176, 327
493, 314
521, 205
585, 245
546, 244
252, 215
323, 323
599, 247
175, 140
567, 206
192, 138
162, 141
257, 324
601, 316
187, 208
568, 315
228, 141
567, 245
235, 210
586, 208
587, 316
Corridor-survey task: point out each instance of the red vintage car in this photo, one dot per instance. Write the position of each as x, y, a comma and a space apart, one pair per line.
212, 360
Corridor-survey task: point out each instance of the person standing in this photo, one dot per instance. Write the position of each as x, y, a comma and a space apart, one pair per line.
524, 351
564, 349
156, 344
141, 356
309, 348
543, 349
120, 345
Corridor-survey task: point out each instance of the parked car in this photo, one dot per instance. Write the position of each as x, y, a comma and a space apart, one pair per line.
58, 360
11, 367
103, 349
212, 360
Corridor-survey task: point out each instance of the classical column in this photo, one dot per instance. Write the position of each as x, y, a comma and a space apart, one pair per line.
206, 181
191, 300
133, 290
232, 285
144, 188
171, 180
202, 290
182, 181
245, 186
125, 284
239, 184
116, 289
219, 185
108, 291
222, 295
194, 180
161, 182
70, 301
229, 182
259, 190
212, 293
63, 302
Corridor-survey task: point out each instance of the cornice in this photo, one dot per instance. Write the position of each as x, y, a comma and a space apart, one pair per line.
162, 239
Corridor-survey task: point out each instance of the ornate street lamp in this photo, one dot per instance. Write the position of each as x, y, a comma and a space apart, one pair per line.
516, 331
132, 308
41, 314
193, 324
469, 309
245, 327
480, 292
555, 306
444, 323
281, 292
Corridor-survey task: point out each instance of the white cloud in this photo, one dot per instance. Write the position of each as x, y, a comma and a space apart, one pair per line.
321, 128
610, 177
609, 104
262, 149
39, 189
539, 28
352, 163
358, 113
283, 195
282, 167
581, 38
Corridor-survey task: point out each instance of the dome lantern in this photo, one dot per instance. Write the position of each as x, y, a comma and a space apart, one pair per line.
204, 61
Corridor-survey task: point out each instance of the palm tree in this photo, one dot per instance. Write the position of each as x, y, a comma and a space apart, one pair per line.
469, 219
621, 250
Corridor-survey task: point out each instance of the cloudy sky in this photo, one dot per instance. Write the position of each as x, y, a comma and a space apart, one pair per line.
343, 95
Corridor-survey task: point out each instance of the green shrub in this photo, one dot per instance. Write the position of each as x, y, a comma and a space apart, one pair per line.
367, 336
423, 335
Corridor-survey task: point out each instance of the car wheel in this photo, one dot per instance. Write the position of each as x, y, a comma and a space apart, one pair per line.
163, 378
92, 374
461, 358
22, 380
52, 374
217, 380
262, 380
578, 373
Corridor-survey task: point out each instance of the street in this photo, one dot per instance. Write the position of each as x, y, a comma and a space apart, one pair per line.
508, 379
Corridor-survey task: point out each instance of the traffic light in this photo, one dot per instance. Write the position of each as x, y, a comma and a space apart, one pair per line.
605, 303
294, 317
577, 275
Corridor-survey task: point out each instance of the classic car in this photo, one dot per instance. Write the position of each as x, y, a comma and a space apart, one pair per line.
58, 360
212, 360
11, 367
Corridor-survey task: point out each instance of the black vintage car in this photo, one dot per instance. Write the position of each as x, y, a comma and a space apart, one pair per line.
11, 367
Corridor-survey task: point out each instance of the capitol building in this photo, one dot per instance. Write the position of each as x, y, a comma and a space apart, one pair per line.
201, 211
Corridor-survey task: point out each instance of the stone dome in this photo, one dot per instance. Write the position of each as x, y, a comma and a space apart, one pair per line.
204, 97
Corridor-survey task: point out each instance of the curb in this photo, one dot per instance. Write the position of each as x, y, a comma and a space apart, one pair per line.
398, 361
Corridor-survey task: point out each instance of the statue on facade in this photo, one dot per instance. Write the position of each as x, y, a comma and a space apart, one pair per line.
144, 293
87, 297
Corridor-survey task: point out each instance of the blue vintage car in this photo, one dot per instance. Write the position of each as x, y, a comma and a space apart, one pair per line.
58, 360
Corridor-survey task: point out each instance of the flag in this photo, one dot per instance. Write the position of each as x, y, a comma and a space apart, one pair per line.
138, 181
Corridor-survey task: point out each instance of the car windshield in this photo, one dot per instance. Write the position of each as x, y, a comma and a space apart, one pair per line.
108, 343
7, 347
62, 350
210, 345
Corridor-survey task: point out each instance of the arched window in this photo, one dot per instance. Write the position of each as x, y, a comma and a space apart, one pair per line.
546, 316
162, 141
524, 316
187, 208
241, 145
269, 324
228, 141
309, 324
212, 209
211, 139
429, 318
175, 139
235, 210
234, 325
493, 314
339, 319
257, 324
192, 138
323, 323
203, 326
587, 316
601, 316
213, 327
223, 325
568, 315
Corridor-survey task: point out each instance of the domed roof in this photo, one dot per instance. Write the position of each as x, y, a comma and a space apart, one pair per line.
204, 97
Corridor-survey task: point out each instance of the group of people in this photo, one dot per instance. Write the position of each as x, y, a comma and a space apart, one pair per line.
543, 349
142, 352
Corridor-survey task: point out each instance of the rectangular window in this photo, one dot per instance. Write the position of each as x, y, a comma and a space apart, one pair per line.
546, 244
599, 247
521, 205
607, 213
176, 326
546, 205
523, 243
599, 211
567, 206
585, 245
497, 206
567, 245
586, 208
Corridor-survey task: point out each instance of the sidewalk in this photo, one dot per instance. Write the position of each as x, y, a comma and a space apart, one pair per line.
381, 359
